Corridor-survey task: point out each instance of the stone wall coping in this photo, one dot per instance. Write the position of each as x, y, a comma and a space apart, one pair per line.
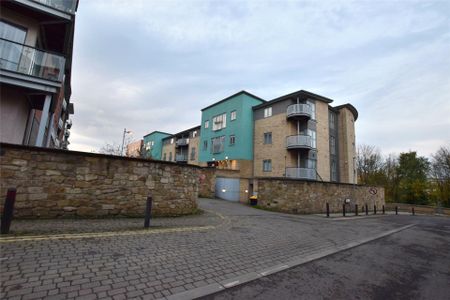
315, 181
4, 146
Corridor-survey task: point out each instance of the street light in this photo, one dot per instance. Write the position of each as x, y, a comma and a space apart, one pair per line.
125, 131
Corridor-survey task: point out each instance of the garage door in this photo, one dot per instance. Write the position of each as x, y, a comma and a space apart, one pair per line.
227, 188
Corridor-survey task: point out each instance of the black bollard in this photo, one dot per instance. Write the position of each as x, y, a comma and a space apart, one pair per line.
374, 209
343, 210
384, 211
328, 210
148, 211
356, 209
8, 210
367, 210
413, 212
396, 210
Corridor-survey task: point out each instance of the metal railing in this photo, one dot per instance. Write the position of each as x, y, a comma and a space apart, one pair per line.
182, 142
68, 6
31, 61
299, 141
181, 157
301, 173
299, 110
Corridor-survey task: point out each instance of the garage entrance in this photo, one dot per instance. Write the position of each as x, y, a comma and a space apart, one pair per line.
227, 188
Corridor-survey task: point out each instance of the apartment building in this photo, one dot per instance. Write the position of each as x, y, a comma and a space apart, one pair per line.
182, 147
134, 149
36, 42
153, 144
300, 135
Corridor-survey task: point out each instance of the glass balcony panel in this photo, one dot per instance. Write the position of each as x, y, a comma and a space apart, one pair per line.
30, 61
299, 141
301, 173
299, 110
62, 5
181, 157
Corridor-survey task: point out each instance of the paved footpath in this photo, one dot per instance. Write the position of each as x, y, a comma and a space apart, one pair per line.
177, 259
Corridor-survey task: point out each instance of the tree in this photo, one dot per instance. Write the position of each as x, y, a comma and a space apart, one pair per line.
111, 149
391, 178
412, 175
369, 164
440, 175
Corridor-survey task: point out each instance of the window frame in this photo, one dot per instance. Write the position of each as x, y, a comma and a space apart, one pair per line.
266, 135
267, 162
232, 138
233, 115
267, 112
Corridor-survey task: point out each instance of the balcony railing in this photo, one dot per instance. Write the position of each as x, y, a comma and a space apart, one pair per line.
181, 157
182, 142
31, 61
301, 173
299, 110
68, 6
299, 142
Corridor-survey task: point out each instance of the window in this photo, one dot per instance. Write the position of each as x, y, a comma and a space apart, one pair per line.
313, 109
217, 144
205, 145
333, 170
194, 134
233, 115
332, 145
11, 53
192, 153
171, 140
267, 165
332, 120
164, 156
206, 123
267, 112
219, 122
232, 139
268, 138
312, 134
170, 156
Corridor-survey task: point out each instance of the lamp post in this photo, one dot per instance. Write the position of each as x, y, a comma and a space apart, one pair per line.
125, 131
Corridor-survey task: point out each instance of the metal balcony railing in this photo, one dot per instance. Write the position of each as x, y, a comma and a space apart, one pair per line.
31, 61
182, 142
181, 157
68, 6
301, 173
299, 142
299, 110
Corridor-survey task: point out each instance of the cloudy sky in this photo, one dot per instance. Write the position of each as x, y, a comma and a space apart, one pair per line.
152, 65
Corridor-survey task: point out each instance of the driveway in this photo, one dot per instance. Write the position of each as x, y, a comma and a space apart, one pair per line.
178, 258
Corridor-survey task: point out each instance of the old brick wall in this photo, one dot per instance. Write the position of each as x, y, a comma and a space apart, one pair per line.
56, 183
305, 197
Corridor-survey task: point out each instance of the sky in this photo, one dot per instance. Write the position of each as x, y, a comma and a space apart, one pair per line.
150, 65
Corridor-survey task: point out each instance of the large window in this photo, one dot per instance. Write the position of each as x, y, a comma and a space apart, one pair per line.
332, 145
268, 138
220, 122
233, 115
267, 165
10, 53
267, 112
313, 109
217, 144
332, 120
164, 156
170, 156
313, 136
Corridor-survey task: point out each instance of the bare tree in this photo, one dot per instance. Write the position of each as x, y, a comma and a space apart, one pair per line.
111, 149
369, 164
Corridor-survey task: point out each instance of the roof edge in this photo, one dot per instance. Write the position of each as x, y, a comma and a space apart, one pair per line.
349, 107
234, 95
287, 96
157, 131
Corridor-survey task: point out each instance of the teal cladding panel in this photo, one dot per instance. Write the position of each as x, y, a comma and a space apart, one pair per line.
241, 128
156, 150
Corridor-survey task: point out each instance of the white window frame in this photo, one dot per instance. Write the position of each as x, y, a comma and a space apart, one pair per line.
207, 124
267, 165
219, 122
233, 115
268, 112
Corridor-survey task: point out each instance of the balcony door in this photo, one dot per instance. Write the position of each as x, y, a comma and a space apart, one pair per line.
12, 39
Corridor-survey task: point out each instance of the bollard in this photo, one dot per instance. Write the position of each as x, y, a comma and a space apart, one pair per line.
374, 209
396, 210
328, 210
148, 211
8, 211
343, 210
356, 209
367, 210
413, 212
384, 212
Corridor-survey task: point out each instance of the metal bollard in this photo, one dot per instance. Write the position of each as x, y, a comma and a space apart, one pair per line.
328, 210
343, 210
384, 211
356, 209
396, 210
8, 211
413, 212
148, 211
374, 209
367, 210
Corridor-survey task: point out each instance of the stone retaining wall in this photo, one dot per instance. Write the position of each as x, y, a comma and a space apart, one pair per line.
306, 197
57, 183
419, 209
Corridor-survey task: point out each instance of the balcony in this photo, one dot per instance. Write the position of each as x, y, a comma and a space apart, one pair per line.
182, 142
301, 173
68, 6
299, 111
31, 61
181, 158
299, 142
